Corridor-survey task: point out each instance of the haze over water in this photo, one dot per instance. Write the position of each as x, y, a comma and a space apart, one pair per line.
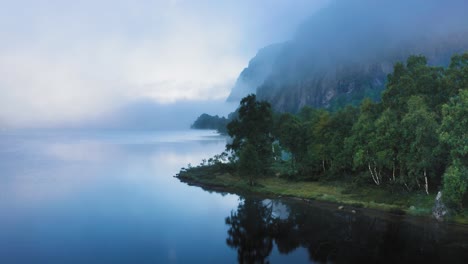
96, 98
110, 197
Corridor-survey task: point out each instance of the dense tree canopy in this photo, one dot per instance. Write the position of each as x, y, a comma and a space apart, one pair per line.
251, 135
415, 138
206, 121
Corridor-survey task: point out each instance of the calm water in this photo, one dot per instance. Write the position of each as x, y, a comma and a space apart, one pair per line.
110, 197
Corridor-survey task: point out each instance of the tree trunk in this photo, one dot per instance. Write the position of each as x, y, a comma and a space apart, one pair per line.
427, 184
408, 188
375, 176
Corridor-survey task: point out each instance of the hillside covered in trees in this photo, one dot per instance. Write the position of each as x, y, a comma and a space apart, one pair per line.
206, 121
413, 140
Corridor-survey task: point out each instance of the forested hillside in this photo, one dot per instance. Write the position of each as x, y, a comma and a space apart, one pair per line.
413, 141
416, 137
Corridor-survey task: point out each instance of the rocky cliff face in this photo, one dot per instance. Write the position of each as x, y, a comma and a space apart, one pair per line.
325, 87
344, 53
256, 72
336, 81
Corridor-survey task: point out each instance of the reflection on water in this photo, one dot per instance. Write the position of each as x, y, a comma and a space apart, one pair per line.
250, 231
110, 197
334, 236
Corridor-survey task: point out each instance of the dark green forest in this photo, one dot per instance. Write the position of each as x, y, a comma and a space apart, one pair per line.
414, 139
206, 121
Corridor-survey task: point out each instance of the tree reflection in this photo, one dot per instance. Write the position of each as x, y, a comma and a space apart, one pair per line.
250, 231
335, 236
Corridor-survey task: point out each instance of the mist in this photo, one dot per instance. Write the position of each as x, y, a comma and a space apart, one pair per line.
357, 30
64, 62
148, 115
351, 38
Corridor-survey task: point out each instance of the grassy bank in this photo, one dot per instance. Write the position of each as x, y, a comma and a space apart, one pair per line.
214, 178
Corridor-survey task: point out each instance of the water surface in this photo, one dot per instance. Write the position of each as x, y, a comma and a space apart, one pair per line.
110, 197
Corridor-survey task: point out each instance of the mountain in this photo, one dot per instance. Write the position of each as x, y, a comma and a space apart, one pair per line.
344, 52
254, 75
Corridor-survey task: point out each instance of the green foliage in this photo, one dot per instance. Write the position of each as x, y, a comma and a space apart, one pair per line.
249, 163
453, 133
454, 127
206, 121
363, 141
457, 75
420, 141
455, 182
338, 130
405, 142
291, 135
414, 79
387, 142
253, 128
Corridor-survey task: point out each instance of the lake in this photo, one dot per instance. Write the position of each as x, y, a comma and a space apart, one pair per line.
110, 197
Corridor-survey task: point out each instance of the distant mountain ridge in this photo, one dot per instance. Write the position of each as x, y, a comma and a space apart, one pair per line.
345, 52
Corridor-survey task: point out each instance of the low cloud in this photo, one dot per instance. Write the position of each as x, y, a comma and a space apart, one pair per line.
70, 61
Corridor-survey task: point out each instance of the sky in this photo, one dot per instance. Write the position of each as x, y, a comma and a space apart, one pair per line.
74, 61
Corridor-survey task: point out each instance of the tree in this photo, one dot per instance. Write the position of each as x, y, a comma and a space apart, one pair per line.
454, 128
387, 141
362, 141
456, 78
455, 182
291, 135
318, 139
315, 125
453, 133
249, 163
420, 140
415, 78
338, 129
253, 127
206, 121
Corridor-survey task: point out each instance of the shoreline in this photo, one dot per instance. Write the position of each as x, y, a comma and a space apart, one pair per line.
337, 197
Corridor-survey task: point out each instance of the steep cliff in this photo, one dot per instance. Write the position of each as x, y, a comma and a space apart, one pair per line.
256, 72
343, 53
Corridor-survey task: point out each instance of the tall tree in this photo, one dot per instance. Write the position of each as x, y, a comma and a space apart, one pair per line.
387, 142
363, 143
253, 126
454, 127
318, 138
456, 78
339, 128
419, 129
453, 133
414, 78
455, 182
291, 134
249, 163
